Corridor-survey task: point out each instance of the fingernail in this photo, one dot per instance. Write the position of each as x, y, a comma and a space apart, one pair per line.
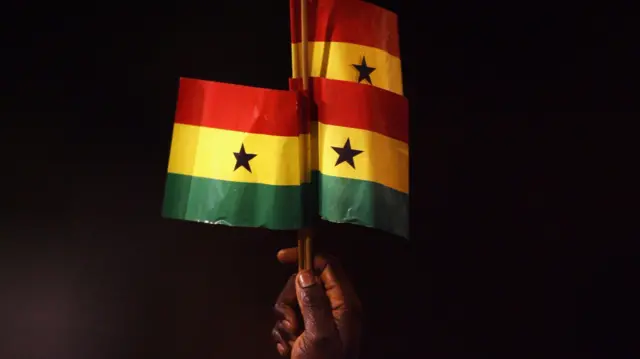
306, 279
287, 324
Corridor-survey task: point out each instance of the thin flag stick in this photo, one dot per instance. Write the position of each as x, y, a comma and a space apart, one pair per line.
304, 42
305, 256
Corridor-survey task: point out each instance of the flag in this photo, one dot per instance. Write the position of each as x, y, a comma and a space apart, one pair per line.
349, 40
235, 157
362, 131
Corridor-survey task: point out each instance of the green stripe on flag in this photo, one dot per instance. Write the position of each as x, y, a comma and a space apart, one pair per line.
232, 203
344, 200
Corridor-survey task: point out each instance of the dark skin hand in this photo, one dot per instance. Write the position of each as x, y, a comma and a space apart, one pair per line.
331, 312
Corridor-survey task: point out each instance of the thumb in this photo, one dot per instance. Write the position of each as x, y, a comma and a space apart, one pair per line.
314, 306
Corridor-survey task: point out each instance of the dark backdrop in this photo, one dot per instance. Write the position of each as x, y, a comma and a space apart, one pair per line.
504, 171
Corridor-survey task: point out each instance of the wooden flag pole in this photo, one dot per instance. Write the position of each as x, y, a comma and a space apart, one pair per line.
305, 256
304, 42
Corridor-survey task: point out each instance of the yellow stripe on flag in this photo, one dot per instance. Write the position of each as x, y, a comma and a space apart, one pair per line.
209, 152
335, 60
384, 160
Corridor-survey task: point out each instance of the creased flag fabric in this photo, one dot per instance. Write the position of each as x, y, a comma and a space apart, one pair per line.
349, 40
361, 125
235, 157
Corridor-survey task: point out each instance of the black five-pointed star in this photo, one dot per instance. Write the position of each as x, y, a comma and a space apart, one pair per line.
364, 71
243, 158
346, 154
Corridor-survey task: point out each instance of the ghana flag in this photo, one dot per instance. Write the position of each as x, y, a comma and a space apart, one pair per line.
362, 129
234, 157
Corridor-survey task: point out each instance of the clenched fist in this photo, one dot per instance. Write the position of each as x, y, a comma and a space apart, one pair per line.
331, 312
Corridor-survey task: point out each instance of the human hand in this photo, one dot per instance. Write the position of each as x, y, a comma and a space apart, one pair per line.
330, 309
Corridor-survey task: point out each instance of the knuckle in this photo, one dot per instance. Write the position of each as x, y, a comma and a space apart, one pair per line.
283, 327
277, 308
283, 349
280, 310
323, 345
276, 334
322, 260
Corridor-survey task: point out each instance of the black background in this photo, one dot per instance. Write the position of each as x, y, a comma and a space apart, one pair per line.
516, 113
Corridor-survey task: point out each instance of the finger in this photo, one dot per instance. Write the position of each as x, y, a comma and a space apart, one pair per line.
340, 291
287, 296
314, 306
287, 333
288, 318
339, 288
288, 255
345, 304
283, 351
286, 305
277, 336
282, 345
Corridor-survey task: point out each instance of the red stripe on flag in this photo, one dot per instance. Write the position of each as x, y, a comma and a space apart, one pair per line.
237, 108
349, 104
351, 21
